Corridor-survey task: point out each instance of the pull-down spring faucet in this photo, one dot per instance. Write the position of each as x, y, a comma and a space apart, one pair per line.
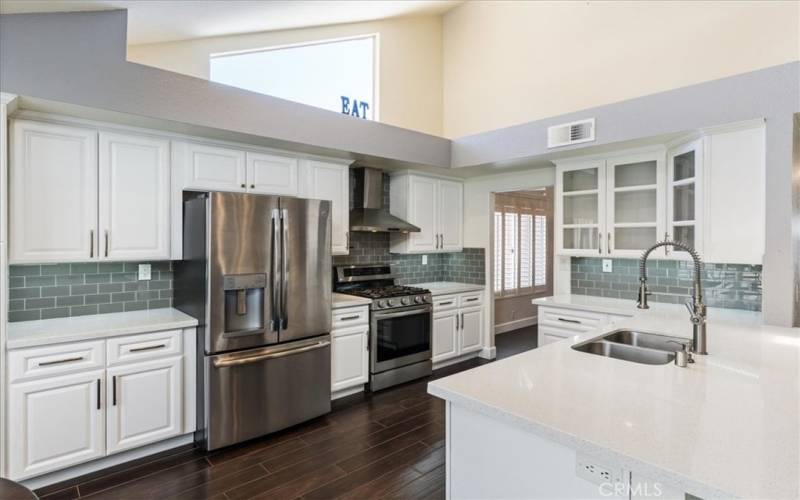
696, 307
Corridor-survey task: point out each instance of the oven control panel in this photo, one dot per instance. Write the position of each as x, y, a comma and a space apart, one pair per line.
405, 301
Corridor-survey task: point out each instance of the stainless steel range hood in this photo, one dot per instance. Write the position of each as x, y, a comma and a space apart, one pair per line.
369, 214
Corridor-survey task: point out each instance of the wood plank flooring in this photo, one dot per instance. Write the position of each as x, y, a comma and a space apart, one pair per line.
389, 444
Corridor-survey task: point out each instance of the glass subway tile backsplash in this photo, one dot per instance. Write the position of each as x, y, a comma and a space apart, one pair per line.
45, 291
734, 286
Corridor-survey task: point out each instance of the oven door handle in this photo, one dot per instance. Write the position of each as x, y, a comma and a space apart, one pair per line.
400, 314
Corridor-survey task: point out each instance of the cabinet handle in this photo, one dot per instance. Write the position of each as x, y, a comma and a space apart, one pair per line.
473, 299
60, 361
445, 303
114, 390
252, 186
244, 186
462, 320
608, 246
98, 394
565, 320
600, 243
349, 318
91, 243
106, 242
148, 348
666, 247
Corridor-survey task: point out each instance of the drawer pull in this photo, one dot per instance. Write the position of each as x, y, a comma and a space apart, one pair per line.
61, 361
148, 348
446, 303
114, 390
570, 321
350, 318
98, 394
473, 299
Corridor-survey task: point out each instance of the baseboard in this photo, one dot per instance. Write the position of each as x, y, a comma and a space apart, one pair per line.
458, 359
488, 352
515, 325
106, 462
347, 392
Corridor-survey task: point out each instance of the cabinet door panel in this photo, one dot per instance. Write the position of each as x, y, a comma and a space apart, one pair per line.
422, 208
685, 197
270, 174
471, 332
580, 210
53, 193
445, 345
350, 359
213, 168
55, 423
330, 181
134, 197
144, 402
451, 216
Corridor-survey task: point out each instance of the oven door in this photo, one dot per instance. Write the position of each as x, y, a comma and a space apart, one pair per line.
400, 337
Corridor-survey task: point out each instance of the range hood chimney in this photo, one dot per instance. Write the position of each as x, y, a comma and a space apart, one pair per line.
369, 214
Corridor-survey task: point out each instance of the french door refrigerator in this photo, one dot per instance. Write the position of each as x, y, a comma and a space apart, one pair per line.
256, 273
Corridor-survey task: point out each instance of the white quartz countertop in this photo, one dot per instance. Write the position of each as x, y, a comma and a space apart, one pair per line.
602, 304
728, 425
446, 287
343, 300
52, 331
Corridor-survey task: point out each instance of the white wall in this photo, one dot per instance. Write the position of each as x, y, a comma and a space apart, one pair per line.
410, 59
513, 62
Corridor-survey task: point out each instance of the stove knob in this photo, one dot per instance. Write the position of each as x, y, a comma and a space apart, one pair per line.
391, 303
418, 299
405, 301
381, 304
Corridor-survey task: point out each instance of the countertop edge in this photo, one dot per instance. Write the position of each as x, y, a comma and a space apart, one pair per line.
622, 460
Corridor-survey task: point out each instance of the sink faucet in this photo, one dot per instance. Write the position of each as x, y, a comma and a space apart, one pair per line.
696, 307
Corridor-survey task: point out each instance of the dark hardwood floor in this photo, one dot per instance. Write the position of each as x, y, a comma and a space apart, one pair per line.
389, 444
516, 341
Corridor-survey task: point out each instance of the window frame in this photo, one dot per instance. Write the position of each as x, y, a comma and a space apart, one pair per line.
375, 62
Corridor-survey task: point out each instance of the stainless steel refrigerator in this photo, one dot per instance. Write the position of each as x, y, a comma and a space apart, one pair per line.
256, 273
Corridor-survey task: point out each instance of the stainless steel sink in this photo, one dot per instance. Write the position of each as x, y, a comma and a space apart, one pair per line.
638, 347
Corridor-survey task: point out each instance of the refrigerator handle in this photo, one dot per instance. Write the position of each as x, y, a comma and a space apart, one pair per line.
276, 284
285, 269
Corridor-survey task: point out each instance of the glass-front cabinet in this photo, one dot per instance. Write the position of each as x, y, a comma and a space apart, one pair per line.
581, 212
635, 203
684, 193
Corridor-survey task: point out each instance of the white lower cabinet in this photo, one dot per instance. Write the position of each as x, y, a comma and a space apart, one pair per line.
349, 348
457, 330
555, 324
55, 423
74, 402
143, 403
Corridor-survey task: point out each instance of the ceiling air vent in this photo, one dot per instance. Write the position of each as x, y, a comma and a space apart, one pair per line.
570, 133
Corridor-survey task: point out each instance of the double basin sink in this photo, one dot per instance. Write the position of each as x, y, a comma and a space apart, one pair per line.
639, 347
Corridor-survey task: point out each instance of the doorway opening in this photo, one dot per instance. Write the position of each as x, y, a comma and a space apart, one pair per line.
521, 264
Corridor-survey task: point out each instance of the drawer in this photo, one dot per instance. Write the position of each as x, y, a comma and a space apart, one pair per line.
350, 330
545, 339
569, 319
470, 299
554, 331
444, 302
58, 359
144, 347
350, 316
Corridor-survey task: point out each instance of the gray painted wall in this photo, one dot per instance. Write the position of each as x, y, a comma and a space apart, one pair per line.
79, 58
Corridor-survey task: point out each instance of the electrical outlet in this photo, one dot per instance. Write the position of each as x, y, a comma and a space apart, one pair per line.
424, 260
144, 272
607, 267
595, 473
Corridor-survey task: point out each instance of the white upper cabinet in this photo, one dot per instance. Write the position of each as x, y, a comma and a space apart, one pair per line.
434, 205
685, 196
635, 203
734, 164
580, 208
212, 168
270, 174
330, 181
450, 220
134, 195
53, 193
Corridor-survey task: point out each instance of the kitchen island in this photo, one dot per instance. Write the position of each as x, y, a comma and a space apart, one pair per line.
557, 423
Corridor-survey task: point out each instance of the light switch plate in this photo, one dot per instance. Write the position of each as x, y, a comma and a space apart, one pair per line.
607, 267
144, 272
424, 260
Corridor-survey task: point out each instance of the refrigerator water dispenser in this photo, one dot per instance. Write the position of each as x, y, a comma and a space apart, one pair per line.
244, 302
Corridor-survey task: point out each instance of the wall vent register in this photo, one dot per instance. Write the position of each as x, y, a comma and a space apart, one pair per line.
570, 133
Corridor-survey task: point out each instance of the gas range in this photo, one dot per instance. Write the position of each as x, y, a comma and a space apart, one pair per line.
376, 282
